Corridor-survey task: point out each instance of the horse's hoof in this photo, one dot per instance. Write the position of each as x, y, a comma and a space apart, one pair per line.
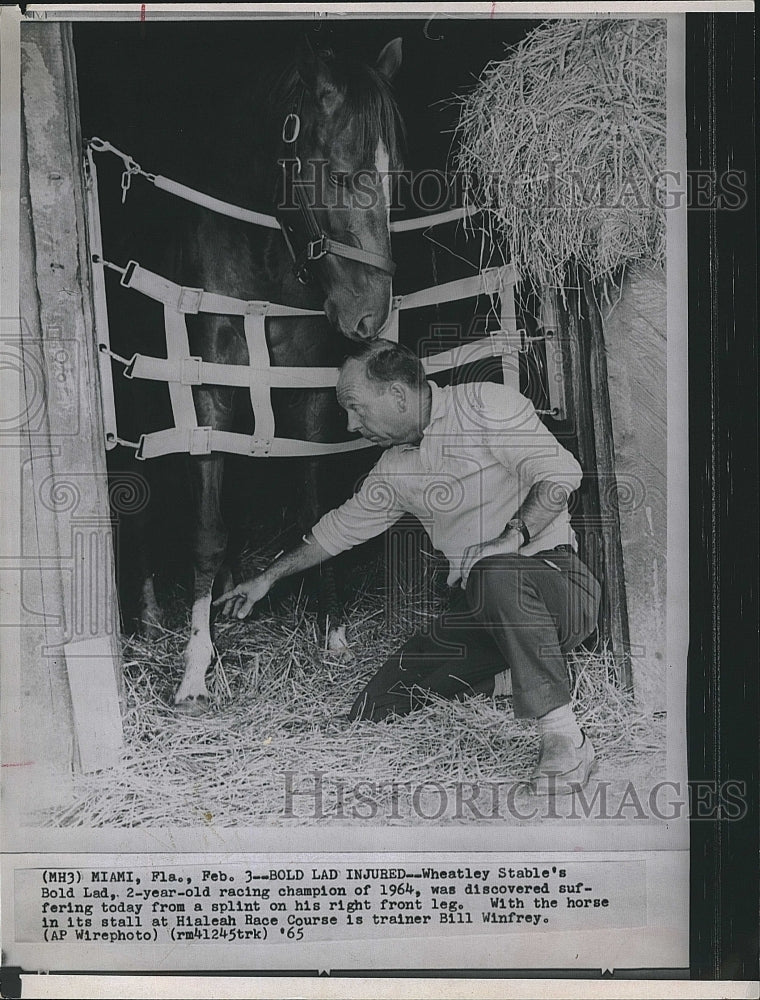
338, 645
341, 655
193, 705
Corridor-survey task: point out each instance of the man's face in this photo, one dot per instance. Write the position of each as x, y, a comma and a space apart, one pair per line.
381, 414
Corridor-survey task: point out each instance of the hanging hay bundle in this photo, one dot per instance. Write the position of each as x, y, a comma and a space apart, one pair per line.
562, 147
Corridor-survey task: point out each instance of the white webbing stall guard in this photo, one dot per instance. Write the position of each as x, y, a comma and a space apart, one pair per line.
181, 370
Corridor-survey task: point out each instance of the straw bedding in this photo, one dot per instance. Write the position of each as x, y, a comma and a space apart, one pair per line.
279, 701
562, 144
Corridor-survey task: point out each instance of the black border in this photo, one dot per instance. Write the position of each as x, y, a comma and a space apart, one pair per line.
722, 697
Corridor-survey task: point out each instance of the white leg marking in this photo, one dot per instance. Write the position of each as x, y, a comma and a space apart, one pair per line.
339, 644
199, 653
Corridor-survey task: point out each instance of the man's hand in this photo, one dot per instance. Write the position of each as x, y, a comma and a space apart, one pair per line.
501, 546
238, 603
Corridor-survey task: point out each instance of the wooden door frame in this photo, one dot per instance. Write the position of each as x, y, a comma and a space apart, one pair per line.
72, 686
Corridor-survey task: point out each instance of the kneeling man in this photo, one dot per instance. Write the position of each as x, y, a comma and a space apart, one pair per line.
490, 484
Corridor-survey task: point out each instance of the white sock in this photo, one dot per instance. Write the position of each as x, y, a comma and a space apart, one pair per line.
561, 720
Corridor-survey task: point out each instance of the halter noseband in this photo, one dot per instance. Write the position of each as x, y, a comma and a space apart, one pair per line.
318, 242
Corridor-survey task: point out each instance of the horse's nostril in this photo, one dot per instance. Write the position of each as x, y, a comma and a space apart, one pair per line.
367, 328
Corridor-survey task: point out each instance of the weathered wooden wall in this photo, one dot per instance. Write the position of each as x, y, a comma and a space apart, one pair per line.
615, 376
588, 412
635, 344
70, 688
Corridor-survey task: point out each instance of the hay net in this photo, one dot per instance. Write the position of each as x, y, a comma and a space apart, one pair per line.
562, 147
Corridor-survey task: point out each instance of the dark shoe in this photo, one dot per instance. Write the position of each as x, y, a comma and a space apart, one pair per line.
562, 767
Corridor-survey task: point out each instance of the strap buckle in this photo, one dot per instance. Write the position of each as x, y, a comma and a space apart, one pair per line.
260, 447
316, 248
189, 299
499, 342
128, 273
256, 307
190, 371
200, 440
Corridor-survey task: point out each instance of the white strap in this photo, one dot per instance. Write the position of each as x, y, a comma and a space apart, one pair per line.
487, 283
510, 366
427, 221
247, 214
195, 300
495, 345
259, 373
177, 347
270, 222
195, 371
215, 204
204, 440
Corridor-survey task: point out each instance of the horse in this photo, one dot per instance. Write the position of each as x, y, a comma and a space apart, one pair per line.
324, 162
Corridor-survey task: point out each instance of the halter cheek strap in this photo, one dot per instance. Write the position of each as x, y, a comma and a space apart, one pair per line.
318, 242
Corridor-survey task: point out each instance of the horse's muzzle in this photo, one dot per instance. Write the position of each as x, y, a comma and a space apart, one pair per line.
367, 328
362, 328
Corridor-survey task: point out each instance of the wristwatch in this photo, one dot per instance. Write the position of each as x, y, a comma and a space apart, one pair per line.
517, 524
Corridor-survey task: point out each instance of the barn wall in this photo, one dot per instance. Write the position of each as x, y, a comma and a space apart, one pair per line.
635, 342
595, 514
70, 688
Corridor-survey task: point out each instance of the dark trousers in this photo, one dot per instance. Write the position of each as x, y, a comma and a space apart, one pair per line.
521, 612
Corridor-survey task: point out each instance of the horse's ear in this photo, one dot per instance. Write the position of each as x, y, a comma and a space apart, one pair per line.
314, 71
389, 61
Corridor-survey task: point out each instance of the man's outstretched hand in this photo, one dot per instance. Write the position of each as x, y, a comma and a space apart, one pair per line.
238, 603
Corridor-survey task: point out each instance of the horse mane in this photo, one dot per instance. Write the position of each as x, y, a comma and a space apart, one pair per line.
368, 102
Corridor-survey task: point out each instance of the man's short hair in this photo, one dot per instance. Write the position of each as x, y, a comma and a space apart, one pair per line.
385, 361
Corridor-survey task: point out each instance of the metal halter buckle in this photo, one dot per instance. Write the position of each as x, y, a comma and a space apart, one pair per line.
316, 248
290, 128
301, 272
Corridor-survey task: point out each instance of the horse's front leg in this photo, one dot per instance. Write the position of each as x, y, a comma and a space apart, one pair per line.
209, 546
331, 611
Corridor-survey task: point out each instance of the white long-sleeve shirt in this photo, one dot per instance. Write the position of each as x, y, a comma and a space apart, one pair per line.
481, 452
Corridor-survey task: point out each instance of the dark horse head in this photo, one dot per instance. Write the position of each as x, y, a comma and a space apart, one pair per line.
340, 139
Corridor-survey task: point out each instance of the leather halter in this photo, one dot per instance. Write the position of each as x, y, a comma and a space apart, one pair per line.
318, 242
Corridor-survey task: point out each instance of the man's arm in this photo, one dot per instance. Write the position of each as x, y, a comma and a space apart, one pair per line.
367, 513
545, 500
240, 601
